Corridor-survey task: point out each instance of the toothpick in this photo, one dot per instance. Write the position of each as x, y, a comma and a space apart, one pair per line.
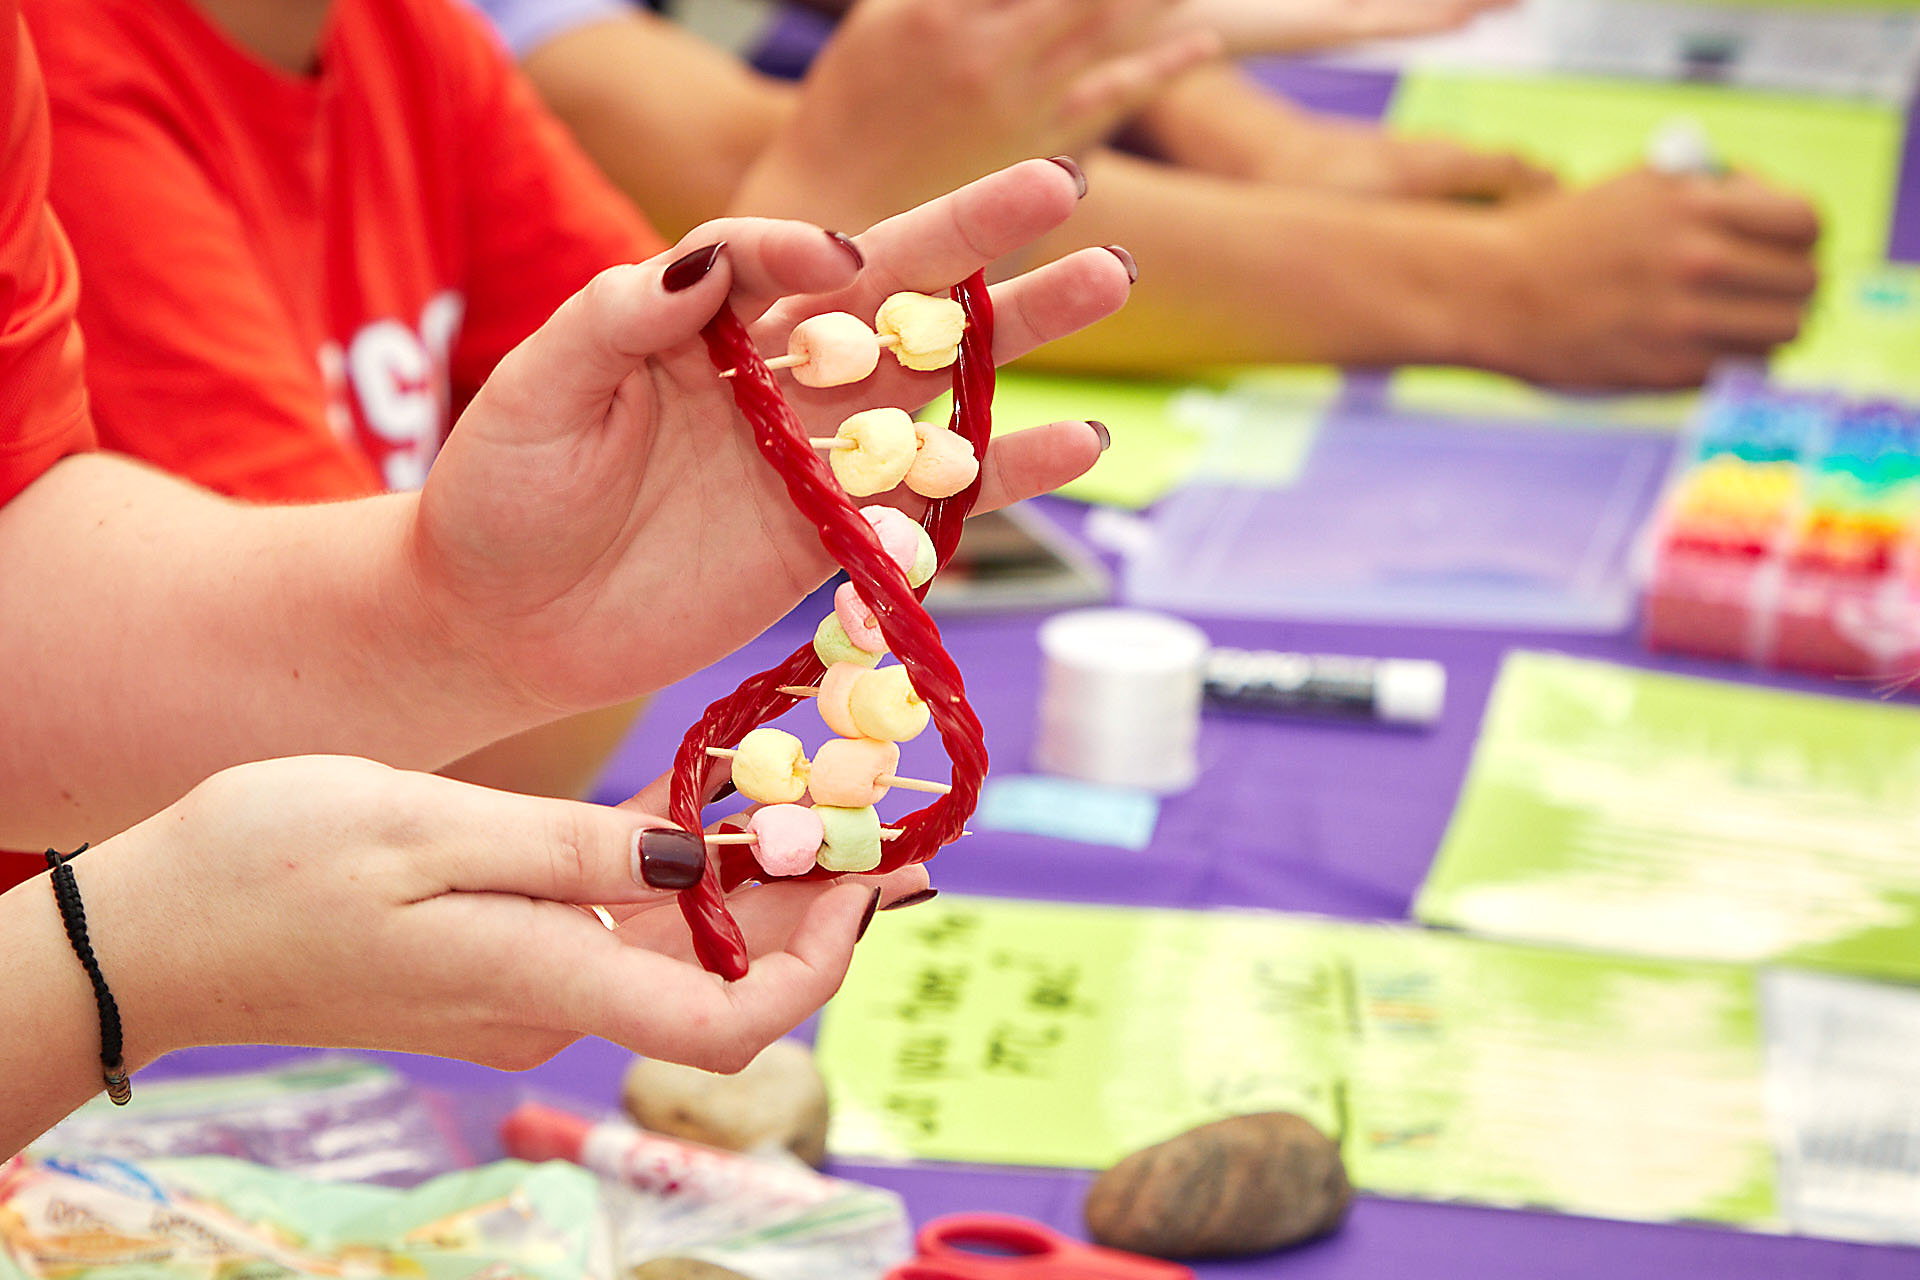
747, 837
890, 779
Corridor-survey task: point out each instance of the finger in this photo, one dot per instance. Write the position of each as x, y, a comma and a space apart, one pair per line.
1751, 208
669, 1009
1029, 310
1749, 326
1118, 86
767, 914
1750, 266
564, 375
1025, 464
929, 247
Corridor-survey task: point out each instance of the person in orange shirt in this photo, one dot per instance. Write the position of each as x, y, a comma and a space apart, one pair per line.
314, 230
157, 634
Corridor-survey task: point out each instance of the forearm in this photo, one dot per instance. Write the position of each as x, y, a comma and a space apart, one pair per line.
1217, 120
49, 1031
155, 634
675, 122
562, 759
1234, 273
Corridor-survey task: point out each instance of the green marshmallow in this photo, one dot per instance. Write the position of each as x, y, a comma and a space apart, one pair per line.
852, 839
831, 644
924, 560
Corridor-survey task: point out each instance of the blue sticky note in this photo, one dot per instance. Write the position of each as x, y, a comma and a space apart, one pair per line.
1086, 812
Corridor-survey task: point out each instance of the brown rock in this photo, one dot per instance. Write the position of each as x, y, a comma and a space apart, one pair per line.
681, 1269
1247, 1184
779, 1100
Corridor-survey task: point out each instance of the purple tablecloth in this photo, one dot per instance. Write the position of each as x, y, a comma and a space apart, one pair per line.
1328, 818
1331, 818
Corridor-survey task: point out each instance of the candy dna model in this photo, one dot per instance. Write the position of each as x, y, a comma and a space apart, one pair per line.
889, 558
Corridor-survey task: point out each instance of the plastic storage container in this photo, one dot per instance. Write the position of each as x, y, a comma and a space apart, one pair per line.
1789, 538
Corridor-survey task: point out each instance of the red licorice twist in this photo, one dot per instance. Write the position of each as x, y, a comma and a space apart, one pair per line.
910, 633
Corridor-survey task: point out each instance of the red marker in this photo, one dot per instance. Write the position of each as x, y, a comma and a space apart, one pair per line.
656, 1164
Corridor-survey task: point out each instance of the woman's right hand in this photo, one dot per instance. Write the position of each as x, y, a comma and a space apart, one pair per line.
331, 901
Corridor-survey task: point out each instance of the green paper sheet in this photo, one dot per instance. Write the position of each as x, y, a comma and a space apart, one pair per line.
1844, 154
1163, 429
1452, 1068
1633, 811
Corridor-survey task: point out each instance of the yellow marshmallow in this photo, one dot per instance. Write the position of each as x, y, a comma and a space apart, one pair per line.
771, 767
926, 329
884, 448
883, 705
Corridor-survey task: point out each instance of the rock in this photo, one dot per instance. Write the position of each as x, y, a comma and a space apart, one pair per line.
1248, 1184
681, 1269
779, 1100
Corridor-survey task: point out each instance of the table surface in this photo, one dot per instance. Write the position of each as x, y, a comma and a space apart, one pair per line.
1334, 818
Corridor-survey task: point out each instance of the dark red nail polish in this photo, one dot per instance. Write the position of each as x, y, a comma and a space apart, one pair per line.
684, 273
912, 900
1073, 170
853, 250
671, 858
1100, 430
726, 789
873, 905
1126, 260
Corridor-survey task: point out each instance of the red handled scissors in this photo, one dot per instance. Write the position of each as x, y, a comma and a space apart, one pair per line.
998, 1246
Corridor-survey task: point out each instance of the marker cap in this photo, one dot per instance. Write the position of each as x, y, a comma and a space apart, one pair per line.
1409, 691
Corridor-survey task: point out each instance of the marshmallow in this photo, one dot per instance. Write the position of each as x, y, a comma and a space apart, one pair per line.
852, 838
857, 621
945, 463
836, 698
790, 838
884, 446
847, 771
838, 349
905, 541
926, 329
883, 704
832, 644
771, 766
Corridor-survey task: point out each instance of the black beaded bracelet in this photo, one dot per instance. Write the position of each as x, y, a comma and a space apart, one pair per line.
67, 893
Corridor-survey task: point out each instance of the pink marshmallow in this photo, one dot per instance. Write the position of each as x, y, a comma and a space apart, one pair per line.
944, 464
838, 346
847, 772
899, 534
836, 697
858, 621
789, 838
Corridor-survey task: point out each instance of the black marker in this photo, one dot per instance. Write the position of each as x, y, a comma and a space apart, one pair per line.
1390, 690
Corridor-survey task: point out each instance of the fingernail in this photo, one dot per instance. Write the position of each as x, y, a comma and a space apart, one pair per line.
726, 789
667, 858
873, 905
912, 900
853, 250
1073, 171
1126, 260
684, 273
1100, 429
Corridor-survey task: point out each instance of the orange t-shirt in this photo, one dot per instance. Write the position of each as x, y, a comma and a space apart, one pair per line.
43, 405
296, 282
